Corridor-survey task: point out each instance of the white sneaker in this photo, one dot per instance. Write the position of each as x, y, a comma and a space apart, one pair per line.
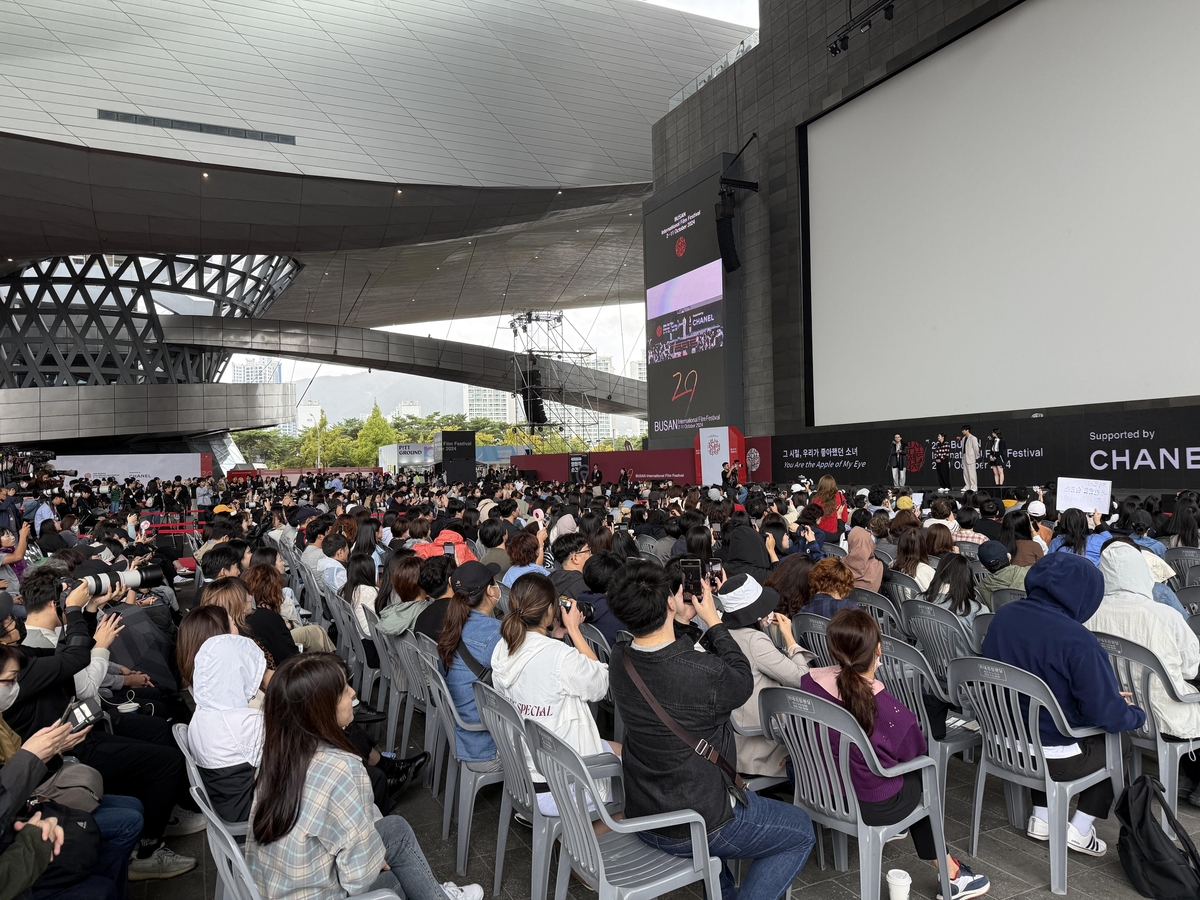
1037, 829
466, 892
184, 821
162, 863
1088, 843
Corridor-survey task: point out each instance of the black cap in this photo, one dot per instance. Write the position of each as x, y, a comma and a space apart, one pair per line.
472, 577
993, 555
1140, 520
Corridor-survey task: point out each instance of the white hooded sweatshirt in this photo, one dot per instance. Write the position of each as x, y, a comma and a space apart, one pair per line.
1128, 611
224, 730
552, 683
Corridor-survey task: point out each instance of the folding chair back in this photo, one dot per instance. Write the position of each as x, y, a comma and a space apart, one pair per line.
941, 635
809, 632
886, 614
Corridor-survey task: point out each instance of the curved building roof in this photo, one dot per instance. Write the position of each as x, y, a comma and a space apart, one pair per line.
485, 93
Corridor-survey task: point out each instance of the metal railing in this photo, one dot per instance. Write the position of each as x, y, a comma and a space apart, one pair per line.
750, 42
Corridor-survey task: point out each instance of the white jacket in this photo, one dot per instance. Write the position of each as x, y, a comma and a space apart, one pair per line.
1128, 611
551, 682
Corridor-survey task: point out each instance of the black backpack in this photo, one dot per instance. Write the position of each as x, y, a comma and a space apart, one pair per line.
1154, 865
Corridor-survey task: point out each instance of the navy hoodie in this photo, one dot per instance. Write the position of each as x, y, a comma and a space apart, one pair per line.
1044, 634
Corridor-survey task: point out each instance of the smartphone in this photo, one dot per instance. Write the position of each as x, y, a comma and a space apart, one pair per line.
692, 573
81, 714
715, 528
447, 549
715, 569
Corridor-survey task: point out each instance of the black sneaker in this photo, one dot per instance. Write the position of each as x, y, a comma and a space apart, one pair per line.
967, 885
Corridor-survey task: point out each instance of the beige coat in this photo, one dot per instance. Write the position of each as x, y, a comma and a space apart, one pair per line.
771, 668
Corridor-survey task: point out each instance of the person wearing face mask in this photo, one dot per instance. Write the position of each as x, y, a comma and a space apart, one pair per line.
23, 766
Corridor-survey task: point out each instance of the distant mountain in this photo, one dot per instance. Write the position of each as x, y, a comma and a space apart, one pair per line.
351, 396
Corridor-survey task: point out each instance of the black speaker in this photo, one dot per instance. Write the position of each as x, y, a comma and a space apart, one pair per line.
531, 392
729, 257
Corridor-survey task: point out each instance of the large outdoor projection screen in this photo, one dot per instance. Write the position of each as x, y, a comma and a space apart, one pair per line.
1013, 222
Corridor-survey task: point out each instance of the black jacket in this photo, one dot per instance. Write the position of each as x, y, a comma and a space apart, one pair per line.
898, 457
699, 690
47, 678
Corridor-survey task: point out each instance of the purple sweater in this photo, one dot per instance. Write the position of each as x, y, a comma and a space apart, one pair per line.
897, 736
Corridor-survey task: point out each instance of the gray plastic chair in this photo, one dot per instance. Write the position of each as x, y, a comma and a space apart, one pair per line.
1012, 745
1001, 596
983, 621
809, 632
599, 643
908, 675
886, 555
1181, 559
468, 783
940, 634
391, 681
832, 548
887, 615
1138, 668
969, 549
236, 830
1191, 578
899, 588
233, 876
501, 609
805, 724
507, 727
418, 698
1189, 595
618, 865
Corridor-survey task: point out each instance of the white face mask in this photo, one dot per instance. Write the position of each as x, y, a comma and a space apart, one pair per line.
8, 695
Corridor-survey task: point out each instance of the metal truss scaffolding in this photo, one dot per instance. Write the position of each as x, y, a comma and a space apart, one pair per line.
97, 320
540, 380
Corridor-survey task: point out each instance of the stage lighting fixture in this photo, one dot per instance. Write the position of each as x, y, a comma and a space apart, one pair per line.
833, 49
889, 11
844, 43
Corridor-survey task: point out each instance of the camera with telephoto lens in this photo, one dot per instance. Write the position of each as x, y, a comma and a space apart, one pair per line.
136, 579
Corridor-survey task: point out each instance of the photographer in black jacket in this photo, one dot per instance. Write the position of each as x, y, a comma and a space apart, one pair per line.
698, 690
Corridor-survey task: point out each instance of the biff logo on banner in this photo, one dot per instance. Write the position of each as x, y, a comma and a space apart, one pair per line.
680, 247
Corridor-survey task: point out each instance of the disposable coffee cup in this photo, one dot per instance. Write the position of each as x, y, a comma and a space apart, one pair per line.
899, 883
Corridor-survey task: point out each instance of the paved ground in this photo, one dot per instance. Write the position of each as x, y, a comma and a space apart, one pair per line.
1017, 866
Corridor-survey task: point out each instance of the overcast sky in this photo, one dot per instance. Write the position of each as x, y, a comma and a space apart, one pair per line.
616, 330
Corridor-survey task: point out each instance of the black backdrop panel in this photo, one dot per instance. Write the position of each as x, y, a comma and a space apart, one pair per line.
1148, 448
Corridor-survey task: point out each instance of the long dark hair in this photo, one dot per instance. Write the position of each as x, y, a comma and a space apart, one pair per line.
458, 610
954, 573
365, 541
531, 595
625, 545
1073, 527
853, 637
699, 543
1015, 526
360, 572
299, 715
789, 579
910, 550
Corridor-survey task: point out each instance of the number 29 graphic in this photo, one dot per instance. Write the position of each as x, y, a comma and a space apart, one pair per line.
685, 386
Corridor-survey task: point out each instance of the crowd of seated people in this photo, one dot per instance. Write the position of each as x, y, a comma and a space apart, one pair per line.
505, 577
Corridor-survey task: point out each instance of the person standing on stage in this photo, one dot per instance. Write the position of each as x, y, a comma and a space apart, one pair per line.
970, 454
942, 452
898, 462
997, 455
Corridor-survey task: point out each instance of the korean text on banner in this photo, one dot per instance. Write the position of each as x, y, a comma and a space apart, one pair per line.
1087, 494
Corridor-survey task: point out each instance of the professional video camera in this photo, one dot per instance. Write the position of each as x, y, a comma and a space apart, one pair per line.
135, 579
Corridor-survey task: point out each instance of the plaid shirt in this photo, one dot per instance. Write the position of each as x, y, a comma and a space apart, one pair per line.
333, 850
973, 536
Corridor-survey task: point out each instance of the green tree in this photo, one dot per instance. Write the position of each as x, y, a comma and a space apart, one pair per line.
351, 427
374, 433
335, 448
271, 448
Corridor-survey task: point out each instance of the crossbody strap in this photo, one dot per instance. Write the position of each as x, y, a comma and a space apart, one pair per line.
699, 746
479, 671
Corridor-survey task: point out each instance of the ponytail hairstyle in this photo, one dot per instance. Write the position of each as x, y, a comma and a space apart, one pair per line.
458, 610
853, 639
531, 595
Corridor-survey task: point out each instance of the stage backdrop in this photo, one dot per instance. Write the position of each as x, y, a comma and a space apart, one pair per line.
693, 314
1137, 449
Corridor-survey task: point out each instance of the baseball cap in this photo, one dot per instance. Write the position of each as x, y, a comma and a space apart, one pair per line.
863, 492
222, 509
1139, 518
472, 577
992, 554
796, 489
1036, 508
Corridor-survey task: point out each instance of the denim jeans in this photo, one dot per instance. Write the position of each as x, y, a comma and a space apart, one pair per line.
409, 871
120, 822
778, 836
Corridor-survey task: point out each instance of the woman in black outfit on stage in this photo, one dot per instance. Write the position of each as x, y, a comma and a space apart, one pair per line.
997, 455
942, 451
